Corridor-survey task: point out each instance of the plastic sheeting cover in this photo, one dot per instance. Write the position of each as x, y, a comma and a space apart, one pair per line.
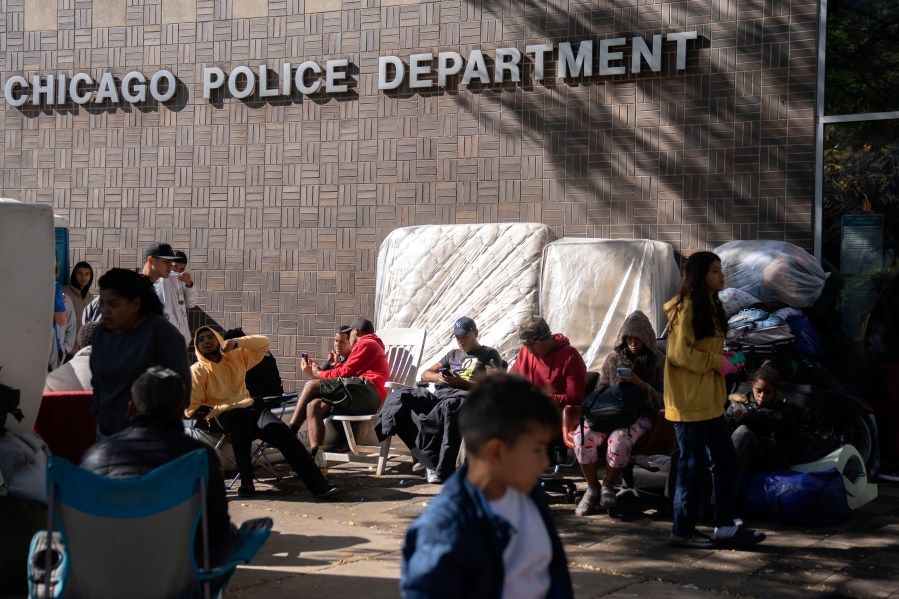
27, 303
589, 286
430, 275
772, 271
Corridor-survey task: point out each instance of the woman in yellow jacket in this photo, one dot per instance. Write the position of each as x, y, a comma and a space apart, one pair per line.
695, 395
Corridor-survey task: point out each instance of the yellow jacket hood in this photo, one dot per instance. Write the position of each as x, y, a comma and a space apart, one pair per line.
218, 337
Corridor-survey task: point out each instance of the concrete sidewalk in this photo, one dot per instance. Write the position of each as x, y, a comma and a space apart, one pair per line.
350, 547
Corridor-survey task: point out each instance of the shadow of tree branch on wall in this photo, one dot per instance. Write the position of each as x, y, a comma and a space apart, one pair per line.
676, 156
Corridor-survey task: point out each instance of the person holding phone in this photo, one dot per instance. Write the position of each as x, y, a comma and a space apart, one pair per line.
695, 394
634, 366
427, 419
353, 388
767, 434
219, 386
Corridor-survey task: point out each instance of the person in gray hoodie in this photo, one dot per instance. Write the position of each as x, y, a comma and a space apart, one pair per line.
634, 361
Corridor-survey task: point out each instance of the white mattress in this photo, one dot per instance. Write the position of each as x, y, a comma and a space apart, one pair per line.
430, 275
589, 286
26, 230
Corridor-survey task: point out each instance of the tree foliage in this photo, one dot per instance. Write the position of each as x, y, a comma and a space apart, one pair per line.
862, 66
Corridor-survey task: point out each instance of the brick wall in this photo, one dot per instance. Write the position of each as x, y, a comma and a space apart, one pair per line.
282, 205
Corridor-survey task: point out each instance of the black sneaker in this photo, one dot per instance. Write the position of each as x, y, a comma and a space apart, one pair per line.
247, 490
697, 541
326, 491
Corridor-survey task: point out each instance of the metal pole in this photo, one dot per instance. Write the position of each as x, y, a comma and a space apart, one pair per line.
818, 217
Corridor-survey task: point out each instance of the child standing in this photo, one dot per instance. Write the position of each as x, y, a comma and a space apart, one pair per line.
695, 367
490, 533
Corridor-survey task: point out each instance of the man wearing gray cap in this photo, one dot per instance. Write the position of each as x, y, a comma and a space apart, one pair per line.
427, 421
550, 362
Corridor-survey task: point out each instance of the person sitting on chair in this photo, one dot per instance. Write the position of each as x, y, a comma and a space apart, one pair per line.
550, 362
767, 435
355, 387
219, 383
155, 438
426, 421
634, 363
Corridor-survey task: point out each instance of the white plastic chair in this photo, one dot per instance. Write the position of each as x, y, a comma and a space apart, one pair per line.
403, 348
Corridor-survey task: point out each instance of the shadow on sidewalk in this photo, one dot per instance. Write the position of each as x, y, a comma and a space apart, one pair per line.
309, 551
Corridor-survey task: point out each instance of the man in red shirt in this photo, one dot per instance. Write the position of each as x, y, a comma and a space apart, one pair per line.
550, 362
354, 387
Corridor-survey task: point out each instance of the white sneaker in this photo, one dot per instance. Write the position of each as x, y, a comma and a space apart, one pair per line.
418, 467
432, 477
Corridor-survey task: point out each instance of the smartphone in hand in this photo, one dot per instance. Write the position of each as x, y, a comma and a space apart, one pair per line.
737, 358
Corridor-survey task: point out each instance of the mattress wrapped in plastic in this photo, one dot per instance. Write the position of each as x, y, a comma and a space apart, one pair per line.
772, 271
430, 275
589, 286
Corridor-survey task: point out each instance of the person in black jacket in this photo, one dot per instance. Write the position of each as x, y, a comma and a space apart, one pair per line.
767, 436
882, 347
155, 438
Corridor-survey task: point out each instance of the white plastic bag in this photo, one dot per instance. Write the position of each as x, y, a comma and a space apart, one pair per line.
735, 300
773, 271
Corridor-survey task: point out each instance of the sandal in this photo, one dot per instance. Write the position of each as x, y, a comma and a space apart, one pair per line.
740, 537
587, 504
697, 541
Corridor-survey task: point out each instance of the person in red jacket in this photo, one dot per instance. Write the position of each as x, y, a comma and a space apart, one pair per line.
550, 362
354, 387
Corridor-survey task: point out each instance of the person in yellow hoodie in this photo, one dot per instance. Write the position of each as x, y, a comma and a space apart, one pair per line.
217, 382
695, 394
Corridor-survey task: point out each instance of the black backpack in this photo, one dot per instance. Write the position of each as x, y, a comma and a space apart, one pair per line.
609, 409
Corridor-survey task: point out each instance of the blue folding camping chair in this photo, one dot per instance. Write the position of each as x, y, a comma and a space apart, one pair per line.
132, 537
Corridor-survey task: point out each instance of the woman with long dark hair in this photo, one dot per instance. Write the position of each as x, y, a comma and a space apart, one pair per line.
79, 291
695, 395
134, 336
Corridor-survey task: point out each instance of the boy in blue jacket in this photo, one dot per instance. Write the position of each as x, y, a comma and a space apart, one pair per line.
490, 533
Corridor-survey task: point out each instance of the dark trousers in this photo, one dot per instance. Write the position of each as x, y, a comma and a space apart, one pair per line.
702, 444
753, 455
243, 427
885, 400
428, 423
439, 437
402, 413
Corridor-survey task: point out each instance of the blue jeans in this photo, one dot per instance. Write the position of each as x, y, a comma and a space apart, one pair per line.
700, 442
